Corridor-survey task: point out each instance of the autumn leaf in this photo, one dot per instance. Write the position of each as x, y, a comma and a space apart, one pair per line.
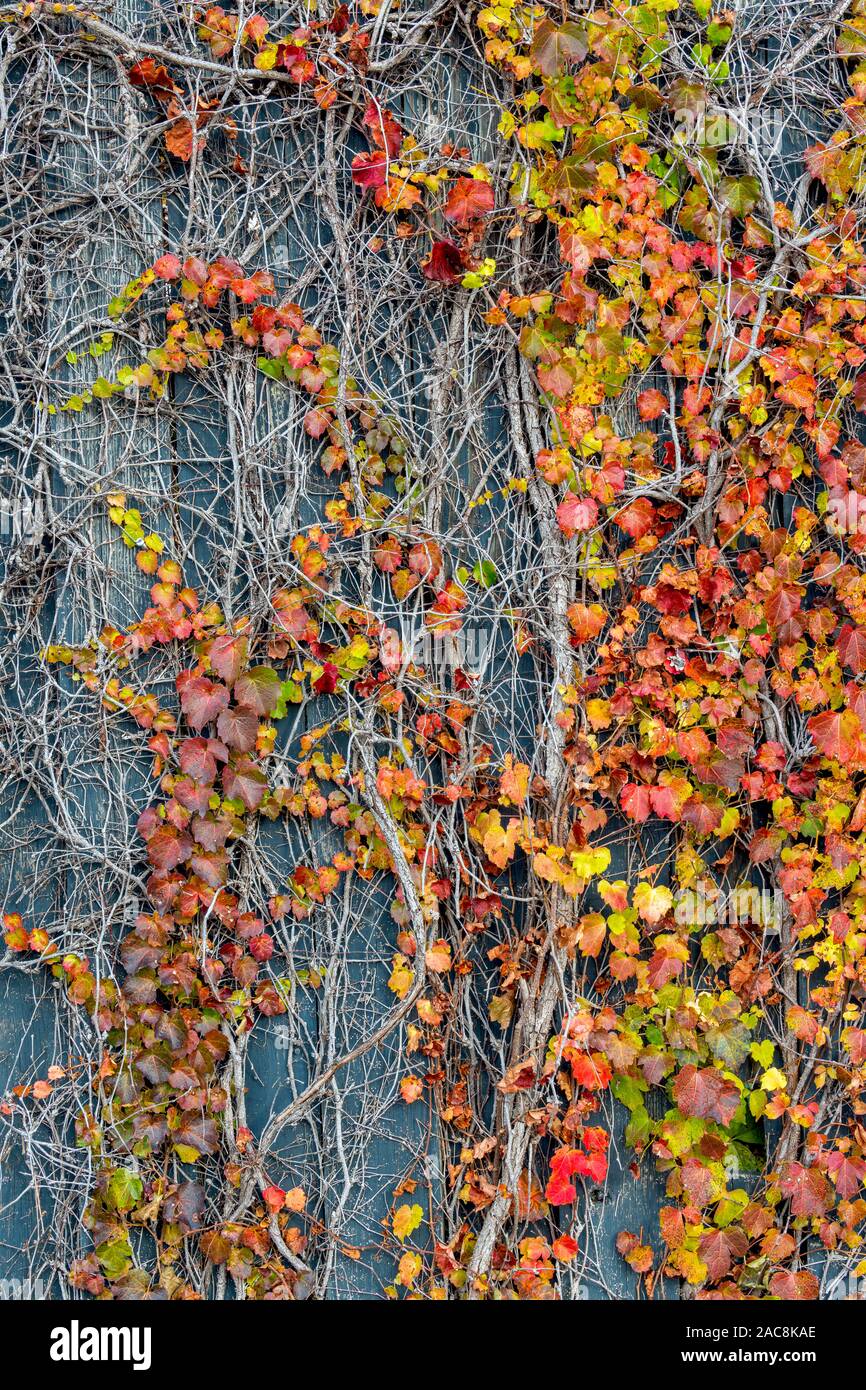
370, 170
794, 1285
556, 47
650, 404
837, 734
575, 514
468, 200
514, 782
445, 263
411, 1089
706, 1093
406, 1219
851, 646
806, 1188
720, 1249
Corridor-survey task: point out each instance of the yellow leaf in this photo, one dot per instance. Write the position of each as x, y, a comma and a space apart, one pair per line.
408, 1269
652, 903
406, 1219
401, 977
773, 1080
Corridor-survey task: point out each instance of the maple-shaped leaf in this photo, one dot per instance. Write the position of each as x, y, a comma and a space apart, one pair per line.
739, 194
806, 1188
693, 745
155, 76
168, 847
202, 700
197, 1132
637, 519
576, 514
384, 130
557, 378
326, 683
560, 1190
469, 199
586, 620
445, 264
210, 832
167, 267
407, 1219
635, 801
796, 1286
179, 138
704, 1092
370, 170
650, 404
437, 957
519, 1077
719, 1250
227, 656
848, 1173
782, 604
837, 734
388, 555
243, 781
592, 1166
514, 782
194, 796
851, 646
197, 759
652, 901
238, 729
556, 47
258, 689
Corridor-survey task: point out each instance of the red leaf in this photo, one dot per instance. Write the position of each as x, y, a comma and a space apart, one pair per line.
384, 131
327, 682
837, 734
167, 267
155, 76
238, 729
851, 646
244, 781
369, 170
705, 1092
806, 1188
847, 1173
201, 700
444, 264
196, 760
167, 847
720, 1249
635, 801
179, 137
794, 1285
469, 199
637, 518
650, 404
576, 514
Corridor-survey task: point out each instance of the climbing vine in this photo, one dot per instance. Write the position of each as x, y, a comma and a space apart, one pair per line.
620, 856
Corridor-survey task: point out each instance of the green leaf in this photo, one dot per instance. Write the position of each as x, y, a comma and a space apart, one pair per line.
485, 574
115, 1257
739, 195
124, 1190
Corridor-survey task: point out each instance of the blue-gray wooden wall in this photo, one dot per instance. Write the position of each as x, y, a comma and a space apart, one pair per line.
163, 463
